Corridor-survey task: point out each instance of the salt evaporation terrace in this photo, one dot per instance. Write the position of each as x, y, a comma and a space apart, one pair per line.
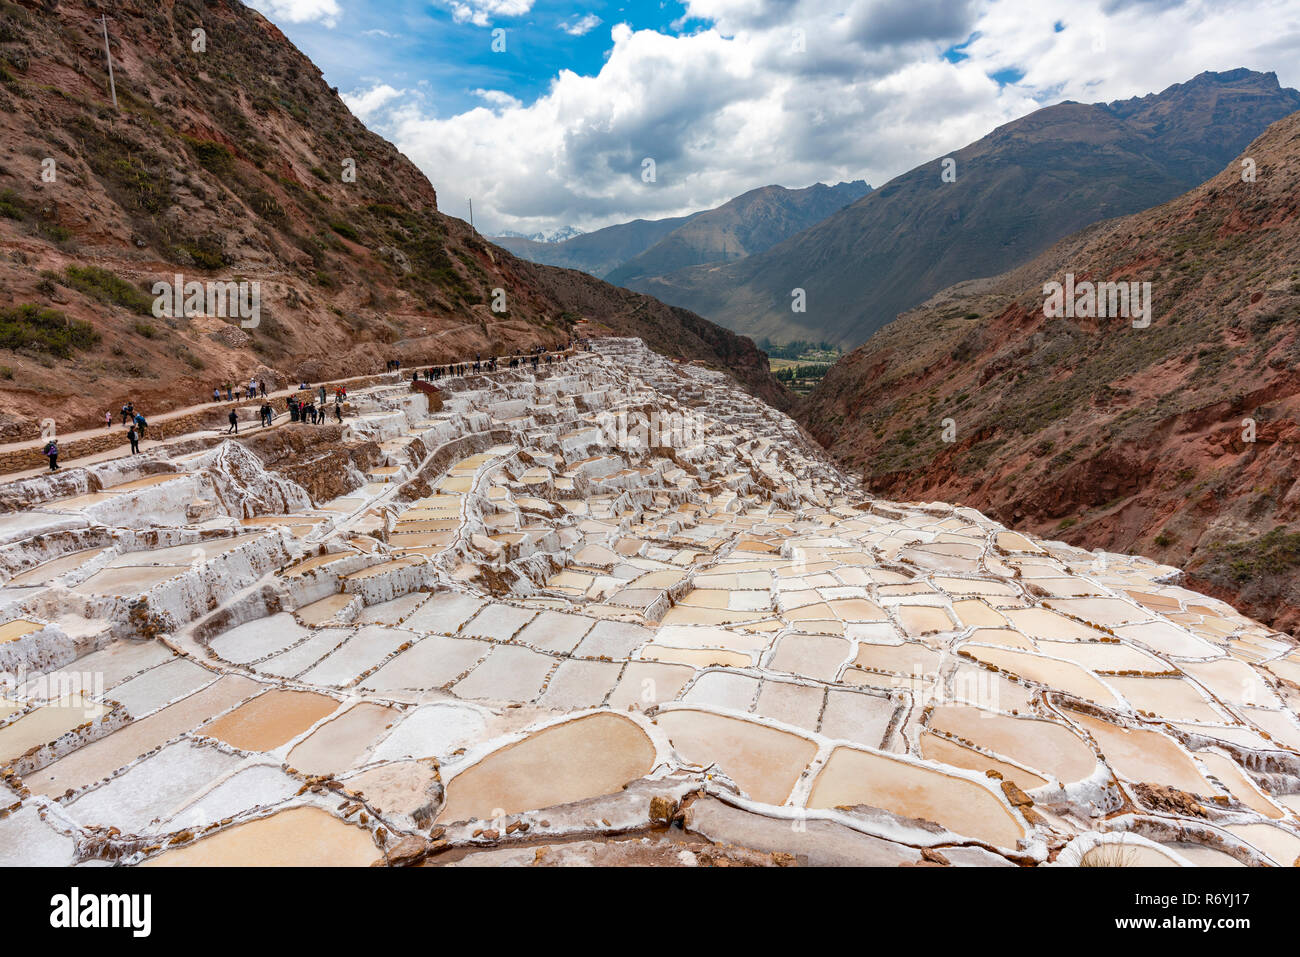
536, 635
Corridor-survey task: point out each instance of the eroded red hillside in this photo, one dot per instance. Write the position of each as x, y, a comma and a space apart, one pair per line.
1099, 433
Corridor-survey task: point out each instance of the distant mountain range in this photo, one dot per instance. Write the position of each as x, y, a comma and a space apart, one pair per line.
1176, 440
558, 236
630, 254
1016, 191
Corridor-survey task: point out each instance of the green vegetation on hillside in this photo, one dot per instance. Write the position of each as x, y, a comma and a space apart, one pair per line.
106, 287
29, 326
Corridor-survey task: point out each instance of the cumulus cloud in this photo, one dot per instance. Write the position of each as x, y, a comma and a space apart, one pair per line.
368, 104
581, 27
482, 12
797, 91
326, 12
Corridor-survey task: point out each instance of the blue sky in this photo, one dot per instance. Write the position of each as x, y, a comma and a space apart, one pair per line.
406, 43
729, 95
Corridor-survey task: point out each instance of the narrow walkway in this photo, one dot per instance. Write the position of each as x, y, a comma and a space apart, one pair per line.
282, 417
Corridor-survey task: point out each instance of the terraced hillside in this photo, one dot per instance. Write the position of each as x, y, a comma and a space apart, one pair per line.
605, 610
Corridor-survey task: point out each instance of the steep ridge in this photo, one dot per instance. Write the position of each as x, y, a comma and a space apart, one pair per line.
1178, 440
229, 159
1016, 191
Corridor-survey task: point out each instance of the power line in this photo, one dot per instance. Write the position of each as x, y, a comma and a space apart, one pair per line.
109, 57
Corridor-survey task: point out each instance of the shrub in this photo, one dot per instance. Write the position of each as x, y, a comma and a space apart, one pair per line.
29, 326
11, 205
106, 287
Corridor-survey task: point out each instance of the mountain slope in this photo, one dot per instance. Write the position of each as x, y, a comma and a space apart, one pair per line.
1017, 190
233, 163
750, 223
629, 253
1100, 433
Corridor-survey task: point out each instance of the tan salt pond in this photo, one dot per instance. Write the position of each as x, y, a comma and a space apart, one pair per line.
1168, 639
1043, 745
1140, 754
1168, 697
319, 612
270, 719
811, 656
975, 586
697, 657
579, 759
1063, 675
1102, 656
46, 724
919, 620
1001, 636
336, 745
852, 777
1282, 846
764, 762
939, 749
127, 581
1235, 780
18, 628
978, 614
1040, 623
55, 568
100, 758
908, 658
298, 837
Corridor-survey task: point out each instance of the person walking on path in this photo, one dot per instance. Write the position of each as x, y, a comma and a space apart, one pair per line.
108, 419
134, 438
140, 424
51, 450
338, 412
234, 422
216, 394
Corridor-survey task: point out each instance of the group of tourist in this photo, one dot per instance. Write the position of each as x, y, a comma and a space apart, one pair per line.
535, 356
309, 409
235, 393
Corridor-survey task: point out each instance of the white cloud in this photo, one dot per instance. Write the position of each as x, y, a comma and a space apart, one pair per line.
582, 27
481, 12
737, 104
368, 104
300, 11
499, 99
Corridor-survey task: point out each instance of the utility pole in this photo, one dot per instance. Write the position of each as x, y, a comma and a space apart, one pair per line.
109, 57
471, 213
